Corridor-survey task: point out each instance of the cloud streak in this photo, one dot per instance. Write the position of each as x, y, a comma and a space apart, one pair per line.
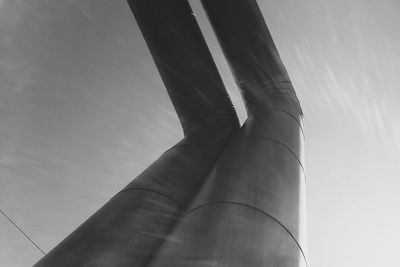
351, 77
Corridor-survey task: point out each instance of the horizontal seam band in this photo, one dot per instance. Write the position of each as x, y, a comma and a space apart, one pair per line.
226, 116
293, 117
285, 146
254, 208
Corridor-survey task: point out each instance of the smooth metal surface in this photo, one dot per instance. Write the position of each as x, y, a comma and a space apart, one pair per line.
232, 235
130, 228
250, 211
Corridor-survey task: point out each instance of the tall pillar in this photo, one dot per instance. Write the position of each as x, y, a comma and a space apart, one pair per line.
130, 228
251, 209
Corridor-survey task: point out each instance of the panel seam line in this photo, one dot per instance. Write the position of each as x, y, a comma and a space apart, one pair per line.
254, 208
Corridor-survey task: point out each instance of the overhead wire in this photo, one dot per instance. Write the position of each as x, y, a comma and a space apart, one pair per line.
22, 232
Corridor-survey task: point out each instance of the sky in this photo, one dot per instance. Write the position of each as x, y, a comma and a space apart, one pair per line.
83, 111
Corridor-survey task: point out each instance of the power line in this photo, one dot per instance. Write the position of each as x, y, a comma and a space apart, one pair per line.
16, 226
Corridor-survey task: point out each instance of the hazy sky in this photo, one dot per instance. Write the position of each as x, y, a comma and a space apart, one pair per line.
83, 111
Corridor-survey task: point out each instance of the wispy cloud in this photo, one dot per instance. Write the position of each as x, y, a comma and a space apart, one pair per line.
353, 77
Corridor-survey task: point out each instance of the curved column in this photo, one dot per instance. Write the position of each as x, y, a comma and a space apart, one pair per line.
130, 228
251, 209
